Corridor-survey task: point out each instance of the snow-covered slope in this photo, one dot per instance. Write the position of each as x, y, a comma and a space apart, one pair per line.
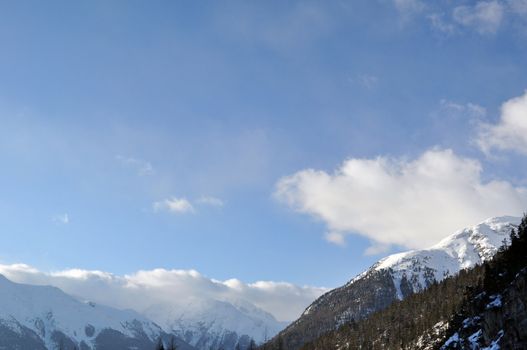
463, 249
398, 276
42, 317
208, 323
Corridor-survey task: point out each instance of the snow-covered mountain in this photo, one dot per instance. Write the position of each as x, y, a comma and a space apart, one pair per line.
397, 276
213, 324
414, 270
44, 317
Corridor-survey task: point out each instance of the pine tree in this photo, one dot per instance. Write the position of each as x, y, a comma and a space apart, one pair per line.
160, 345
172, 345
280, 343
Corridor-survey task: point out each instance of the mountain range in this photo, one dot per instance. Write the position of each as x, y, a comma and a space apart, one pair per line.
44, 317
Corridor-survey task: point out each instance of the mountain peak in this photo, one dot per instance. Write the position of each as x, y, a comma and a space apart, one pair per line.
462, 249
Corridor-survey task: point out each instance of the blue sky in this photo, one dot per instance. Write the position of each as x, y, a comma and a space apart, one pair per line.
139, 135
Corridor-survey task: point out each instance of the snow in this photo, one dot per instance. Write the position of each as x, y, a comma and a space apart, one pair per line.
495, 303
495, 343
471, 321
453, 339
45, 309
461, 250
207, 319
474, 340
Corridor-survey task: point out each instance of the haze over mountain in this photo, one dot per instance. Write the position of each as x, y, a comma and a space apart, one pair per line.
204, 313
42, 317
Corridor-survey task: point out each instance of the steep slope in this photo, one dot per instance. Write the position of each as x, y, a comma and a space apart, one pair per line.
43, 317
213, 324
396, 277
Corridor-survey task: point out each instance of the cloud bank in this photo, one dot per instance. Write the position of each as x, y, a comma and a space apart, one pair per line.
412, 203
145, 288
510, 132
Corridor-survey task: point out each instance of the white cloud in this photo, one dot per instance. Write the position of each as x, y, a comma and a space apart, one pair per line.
510, 133
413, 203
142, 167
485, 17
209, 200
174, 205
62, 218
145, 288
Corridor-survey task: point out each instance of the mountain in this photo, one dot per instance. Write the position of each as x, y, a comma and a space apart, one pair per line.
212, 324
480, 308
396, 277
44, 317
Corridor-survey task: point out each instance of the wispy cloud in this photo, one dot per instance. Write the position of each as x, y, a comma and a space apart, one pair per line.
61, 218
336, 237
469, 110
408, 8
209, 200
485, 16
142, 167
174, 205
376, 249
518, 7
439, 23
368, 81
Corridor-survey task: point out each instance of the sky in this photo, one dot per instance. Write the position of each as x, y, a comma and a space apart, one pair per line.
267, 149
